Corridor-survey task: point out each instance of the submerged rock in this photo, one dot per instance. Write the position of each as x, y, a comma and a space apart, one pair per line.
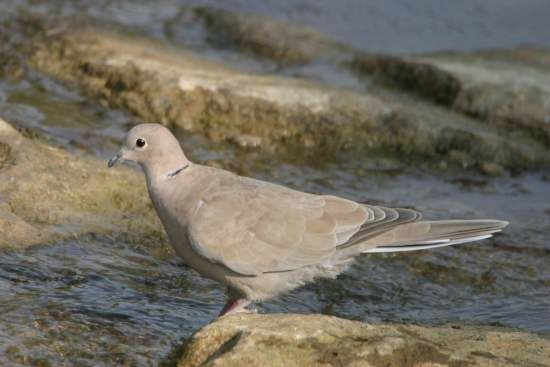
49, 194
177, 87
283, 43
315, 340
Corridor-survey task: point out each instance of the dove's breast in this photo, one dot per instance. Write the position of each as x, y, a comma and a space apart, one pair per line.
175, 201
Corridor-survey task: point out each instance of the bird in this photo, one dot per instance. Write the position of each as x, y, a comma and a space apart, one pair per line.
261, 239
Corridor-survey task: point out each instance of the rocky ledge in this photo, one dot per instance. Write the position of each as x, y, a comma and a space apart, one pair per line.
177, 87
49, 194
317, 340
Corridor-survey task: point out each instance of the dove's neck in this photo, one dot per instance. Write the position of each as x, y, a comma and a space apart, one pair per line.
166, 181
167, 168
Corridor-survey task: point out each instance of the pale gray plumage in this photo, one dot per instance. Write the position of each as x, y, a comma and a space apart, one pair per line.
261, 239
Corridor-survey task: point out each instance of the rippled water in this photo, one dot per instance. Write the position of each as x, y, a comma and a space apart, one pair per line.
103, 301
100, 300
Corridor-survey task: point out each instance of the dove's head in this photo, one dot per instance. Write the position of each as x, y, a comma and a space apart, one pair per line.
153, 147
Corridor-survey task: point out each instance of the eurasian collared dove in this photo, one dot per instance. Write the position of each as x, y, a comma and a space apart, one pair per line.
261, 239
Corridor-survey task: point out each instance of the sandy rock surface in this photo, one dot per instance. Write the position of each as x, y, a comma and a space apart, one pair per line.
317, 340
48, 194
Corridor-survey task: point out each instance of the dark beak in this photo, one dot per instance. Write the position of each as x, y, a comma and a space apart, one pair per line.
113, 160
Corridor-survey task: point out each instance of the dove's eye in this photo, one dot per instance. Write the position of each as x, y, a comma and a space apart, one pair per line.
140, 143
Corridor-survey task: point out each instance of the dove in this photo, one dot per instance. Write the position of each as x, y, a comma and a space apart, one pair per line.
260, 239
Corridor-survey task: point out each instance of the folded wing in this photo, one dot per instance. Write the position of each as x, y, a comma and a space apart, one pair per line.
253, 227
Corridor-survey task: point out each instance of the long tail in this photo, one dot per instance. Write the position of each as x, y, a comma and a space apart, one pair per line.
431, 234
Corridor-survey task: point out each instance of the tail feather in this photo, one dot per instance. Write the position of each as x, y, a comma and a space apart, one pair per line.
432, 234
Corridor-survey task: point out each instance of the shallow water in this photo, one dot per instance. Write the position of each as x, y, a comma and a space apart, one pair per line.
96, 300
103, 301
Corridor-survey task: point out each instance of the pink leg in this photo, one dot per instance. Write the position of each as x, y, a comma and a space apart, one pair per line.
234, 305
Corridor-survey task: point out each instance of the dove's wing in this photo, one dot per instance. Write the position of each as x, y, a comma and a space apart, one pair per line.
253, 227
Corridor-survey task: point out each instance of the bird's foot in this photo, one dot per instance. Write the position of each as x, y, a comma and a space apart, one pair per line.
235, 306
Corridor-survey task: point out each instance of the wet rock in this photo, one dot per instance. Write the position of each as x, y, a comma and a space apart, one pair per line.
315, 340
176, 87
421, 78
49, 194
507, 89
285, 44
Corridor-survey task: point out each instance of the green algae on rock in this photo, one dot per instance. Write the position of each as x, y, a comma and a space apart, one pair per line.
49, 194
317, 340
421, 78
176, 87
4, 153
